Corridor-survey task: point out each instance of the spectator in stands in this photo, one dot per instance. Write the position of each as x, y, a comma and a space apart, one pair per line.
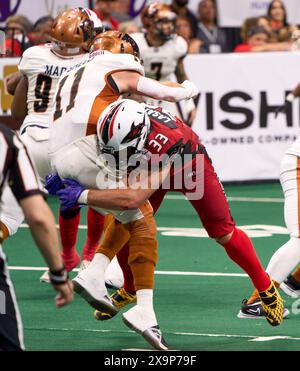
129, 27
265, 22
247, 25
281, 30
104, 10
41, 31
253, 22
17, 28
180, 7
257, 40
213, 38
184, 29
122, 9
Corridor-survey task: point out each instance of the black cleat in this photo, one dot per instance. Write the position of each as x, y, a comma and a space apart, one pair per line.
255, 310
291, 287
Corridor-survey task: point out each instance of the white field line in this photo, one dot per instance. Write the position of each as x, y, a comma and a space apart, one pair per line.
236, 199
164, 273
249, 337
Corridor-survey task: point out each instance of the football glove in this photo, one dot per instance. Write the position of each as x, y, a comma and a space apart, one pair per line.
70, 194
53, 184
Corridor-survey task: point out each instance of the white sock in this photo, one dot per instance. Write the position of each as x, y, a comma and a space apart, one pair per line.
114, 274
99, 264
284, 260
93, 276
144, 298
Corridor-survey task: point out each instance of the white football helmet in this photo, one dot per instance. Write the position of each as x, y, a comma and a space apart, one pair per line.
122, 130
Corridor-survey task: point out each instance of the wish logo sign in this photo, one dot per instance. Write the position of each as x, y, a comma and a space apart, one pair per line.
8, 8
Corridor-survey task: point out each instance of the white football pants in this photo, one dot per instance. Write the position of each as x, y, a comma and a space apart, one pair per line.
79, 161
288, 256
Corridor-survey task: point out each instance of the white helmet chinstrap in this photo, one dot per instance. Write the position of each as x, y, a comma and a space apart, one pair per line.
122, 129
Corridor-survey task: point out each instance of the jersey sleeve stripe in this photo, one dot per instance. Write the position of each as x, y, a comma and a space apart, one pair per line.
23, 177
27, 172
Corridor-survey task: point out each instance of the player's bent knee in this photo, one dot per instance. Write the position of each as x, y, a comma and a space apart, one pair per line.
10, 225
4, 232
224, 239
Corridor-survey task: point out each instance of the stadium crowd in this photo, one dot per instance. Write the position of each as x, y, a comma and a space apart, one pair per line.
270, 32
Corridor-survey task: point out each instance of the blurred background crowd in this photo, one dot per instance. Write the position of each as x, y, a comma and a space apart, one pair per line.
270, 32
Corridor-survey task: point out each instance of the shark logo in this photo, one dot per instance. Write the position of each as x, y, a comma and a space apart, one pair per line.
6, 9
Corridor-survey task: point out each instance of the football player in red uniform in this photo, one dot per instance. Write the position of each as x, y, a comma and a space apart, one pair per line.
170, 136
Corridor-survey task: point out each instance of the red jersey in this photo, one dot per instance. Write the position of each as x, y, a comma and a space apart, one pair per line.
169, 135
243, 48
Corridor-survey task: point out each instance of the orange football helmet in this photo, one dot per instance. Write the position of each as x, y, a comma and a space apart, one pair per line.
159, 19
72, 32
116, 42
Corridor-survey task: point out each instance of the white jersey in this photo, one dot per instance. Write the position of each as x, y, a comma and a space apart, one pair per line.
294, 149
160, 62
43, 69
83, 93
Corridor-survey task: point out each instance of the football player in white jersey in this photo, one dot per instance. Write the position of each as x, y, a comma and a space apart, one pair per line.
162, 52
39, 72
83, 94
287, 256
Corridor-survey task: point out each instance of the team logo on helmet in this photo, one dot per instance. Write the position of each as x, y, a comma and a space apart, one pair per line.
135, 132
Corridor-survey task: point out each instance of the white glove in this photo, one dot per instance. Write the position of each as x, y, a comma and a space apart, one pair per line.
191, 89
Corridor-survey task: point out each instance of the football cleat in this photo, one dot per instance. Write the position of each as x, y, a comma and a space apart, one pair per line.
255, 310
120, 298
145, 324
114, 278
84, 264
272, 305
291, 287
90, 290
113, 284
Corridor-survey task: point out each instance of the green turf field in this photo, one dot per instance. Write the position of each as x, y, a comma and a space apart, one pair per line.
195, 311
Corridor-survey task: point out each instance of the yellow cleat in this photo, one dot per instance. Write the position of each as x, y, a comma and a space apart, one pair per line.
272, 305
120, 298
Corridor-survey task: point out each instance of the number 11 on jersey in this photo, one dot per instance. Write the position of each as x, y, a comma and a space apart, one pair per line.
74, 90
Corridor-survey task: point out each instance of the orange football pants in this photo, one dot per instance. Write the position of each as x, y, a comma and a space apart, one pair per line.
141, 237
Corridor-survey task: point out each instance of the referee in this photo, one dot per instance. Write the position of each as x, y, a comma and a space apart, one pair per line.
18, 172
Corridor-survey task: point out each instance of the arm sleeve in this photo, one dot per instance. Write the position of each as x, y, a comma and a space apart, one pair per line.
154, 89
23, 178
